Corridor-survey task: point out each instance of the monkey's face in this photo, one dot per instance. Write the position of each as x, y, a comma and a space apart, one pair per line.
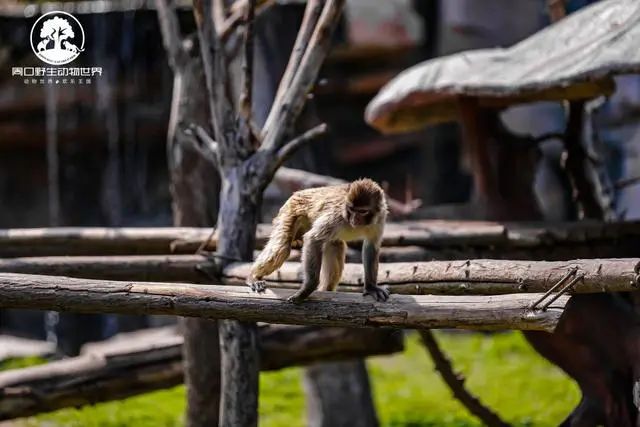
359, 216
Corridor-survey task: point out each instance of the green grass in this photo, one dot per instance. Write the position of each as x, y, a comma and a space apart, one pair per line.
501, 369
21, 363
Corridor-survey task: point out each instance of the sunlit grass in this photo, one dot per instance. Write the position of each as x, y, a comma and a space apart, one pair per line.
500, 368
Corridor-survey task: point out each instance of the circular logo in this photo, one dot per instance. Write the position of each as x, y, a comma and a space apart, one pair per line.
57, 38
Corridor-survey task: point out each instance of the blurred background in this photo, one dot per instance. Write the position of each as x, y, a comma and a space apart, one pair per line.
95, 155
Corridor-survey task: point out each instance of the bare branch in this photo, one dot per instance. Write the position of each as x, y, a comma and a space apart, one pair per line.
199, 140
627, 182
456, 383
399, 209
170, 30
294, 99
205, 139
311, 15
237, 13
290, 147
291, 180
247, 65
215, 69
219, 14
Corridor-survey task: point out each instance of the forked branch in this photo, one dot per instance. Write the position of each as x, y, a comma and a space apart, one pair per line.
238, 11
290, 147
215, 68
247, 65
309, 21
286, 112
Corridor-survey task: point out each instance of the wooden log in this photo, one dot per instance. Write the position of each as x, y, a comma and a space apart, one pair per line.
150, 360
478, 277
232, 302
469, 239
483, 277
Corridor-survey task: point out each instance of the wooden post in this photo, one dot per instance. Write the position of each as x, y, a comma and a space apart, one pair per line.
248, 158
574, 163
194, 189
339, 395
476, 143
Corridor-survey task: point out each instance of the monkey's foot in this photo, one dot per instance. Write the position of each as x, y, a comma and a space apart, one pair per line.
295, 299
378, 292
258, 286
298, 297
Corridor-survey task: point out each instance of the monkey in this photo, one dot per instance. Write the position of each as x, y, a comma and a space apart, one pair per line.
326, 218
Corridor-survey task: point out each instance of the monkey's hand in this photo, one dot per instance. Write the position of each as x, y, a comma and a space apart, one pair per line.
258, 286
378, 292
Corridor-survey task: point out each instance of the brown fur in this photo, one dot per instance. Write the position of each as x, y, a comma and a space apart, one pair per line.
319, 217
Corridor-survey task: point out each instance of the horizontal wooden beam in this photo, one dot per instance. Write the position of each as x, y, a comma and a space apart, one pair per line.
453, 239
150, 360
235, 302
471, 277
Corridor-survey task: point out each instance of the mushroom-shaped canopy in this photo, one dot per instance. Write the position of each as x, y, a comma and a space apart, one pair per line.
572, 59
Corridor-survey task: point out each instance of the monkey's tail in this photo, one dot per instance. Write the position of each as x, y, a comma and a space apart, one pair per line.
277, 249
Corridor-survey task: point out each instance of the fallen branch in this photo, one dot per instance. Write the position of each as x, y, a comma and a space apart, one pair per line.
456, 383
290, 180
466, 239
150, 360
477, 277
239, 303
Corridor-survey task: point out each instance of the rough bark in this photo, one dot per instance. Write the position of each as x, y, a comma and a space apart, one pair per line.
479, 277
195, 185
604, 364
541, 240
241, 304
247, 163
145, 361
238, 340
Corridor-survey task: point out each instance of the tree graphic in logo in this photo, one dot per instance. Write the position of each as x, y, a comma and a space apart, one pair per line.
53, 36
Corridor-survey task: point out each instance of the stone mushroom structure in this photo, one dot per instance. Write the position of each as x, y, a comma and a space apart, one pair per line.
573, 60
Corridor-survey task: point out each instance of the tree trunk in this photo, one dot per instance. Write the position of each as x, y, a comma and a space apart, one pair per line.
240, 362
339, 395
194, 191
